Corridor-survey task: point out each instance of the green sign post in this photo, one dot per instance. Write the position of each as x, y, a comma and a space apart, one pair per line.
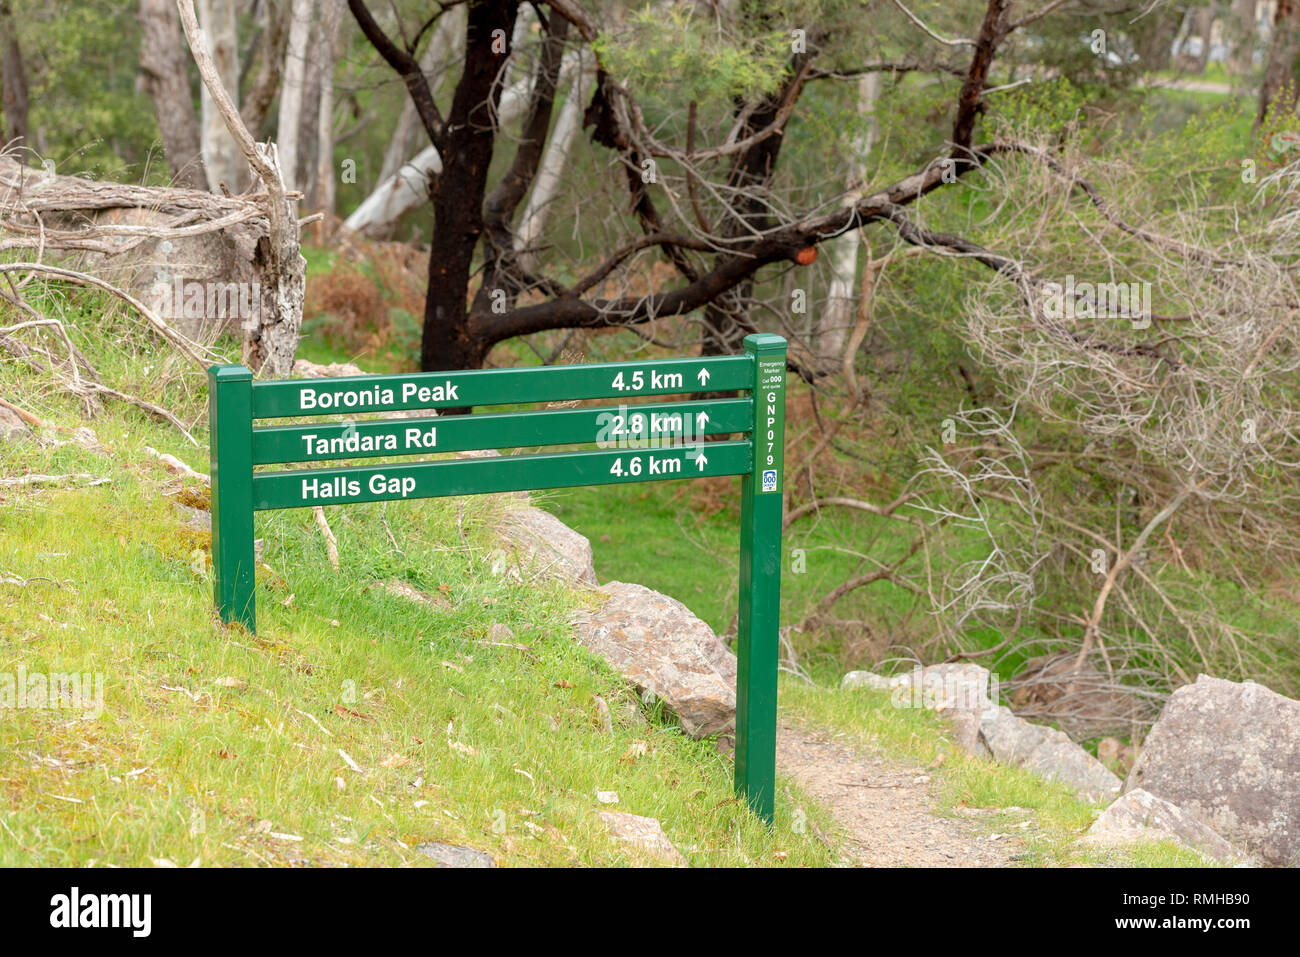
635, 443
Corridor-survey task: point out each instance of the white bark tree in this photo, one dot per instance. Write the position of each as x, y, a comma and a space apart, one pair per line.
222, 161
325, 177
838, 316
551, 172
291, 90
407, 189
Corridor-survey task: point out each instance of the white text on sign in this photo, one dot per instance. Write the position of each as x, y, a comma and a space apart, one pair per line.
318, 400
341, 487
638, 381
634, 465
353, 443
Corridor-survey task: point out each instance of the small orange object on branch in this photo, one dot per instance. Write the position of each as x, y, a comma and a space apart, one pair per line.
806, 255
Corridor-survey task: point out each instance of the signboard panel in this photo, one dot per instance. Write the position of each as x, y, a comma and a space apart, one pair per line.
619, 425
352, 395
300, 488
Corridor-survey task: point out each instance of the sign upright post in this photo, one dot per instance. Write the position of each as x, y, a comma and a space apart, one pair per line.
230, 417
643, 442
760, 581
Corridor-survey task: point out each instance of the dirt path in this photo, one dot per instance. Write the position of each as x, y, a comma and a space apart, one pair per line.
885, 808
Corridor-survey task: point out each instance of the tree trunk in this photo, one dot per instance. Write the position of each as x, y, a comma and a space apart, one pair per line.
1205, 26
291, 93
1277, 92
970, 99
163, 62
1241, 36
275, 36
14, 76
448, 342
309, 113
325, 178
1154, 37
833, 325
222, 162
554, 162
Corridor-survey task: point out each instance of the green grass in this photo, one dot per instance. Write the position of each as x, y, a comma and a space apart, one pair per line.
212, 742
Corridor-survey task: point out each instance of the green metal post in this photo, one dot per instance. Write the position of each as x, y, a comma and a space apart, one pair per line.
760, 580
230, 418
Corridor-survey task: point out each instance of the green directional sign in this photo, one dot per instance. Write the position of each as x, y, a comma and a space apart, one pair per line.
641, 442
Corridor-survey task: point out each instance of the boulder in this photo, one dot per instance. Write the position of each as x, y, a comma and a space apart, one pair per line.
306, 369
1047, 752
865, 679
664, 649
449, 855
1228, 753
539, 544
644, 833
967, 694
1139, 815
962, 692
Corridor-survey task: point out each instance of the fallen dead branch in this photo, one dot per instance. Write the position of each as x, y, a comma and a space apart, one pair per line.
331, 543
174, 465
22, 481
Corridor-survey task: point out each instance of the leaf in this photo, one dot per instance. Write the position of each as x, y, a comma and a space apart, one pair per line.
395, 761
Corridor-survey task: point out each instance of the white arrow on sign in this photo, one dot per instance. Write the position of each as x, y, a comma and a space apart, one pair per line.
701, 419
704, 377
701, 461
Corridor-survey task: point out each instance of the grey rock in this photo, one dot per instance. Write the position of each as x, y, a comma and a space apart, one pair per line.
960, 691
644, 833
864, 679
1228, 753
449, 855
966, 694
305, 369
539, 544
955, 686
193, 518
665, 650
1047, 752
1139, 815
